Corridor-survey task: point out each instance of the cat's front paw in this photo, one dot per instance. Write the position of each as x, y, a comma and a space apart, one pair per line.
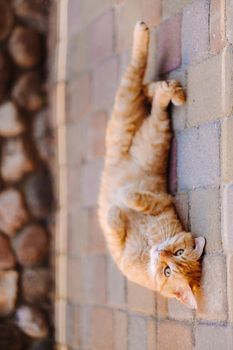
133, 199
178, 95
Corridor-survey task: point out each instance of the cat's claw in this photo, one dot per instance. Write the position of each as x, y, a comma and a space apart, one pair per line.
140, 25
141, 41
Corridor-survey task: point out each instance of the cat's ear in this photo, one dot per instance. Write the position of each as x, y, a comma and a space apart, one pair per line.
199, 245
186, 296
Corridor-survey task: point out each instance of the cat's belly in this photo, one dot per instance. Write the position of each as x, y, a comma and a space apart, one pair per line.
127, 174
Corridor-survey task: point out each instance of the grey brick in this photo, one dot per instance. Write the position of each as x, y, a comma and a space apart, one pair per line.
210, 89
137, 333
205, 216
195, 31
198, 157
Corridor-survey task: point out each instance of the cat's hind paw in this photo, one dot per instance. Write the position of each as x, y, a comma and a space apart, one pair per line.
165, 92
141, 40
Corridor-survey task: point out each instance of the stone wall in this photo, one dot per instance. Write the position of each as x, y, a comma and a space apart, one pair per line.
26, 200
191, 40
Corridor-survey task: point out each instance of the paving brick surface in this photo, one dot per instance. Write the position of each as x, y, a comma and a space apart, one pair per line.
205, 103
229, 18
226, 148
116, 285
96, 242
137, 333
151, 334
79, 97
169, 44
77, 224
217, 25
140, 299
77, 55
103, 89
205, 217
101, 336
195, 31
127, 13
173, 336
213, 337
73, 325
90, 181
178, 311
75, 285
213, 303
170, 6
230, 286
198, 157
161, 306
95, 272
227, 208
96, 128
121, 330
151, 12
101, 37
74, 13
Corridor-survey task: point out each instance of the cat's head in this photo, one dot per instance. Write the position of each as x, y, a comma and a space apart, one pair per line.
175, 267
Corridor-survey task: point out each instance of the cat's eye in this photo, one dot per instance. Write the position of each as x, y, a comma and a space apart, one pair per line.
167, 271
179, 252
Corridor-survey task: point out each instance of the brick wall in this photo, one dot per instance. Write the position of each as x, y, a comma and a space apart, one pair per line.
190, 41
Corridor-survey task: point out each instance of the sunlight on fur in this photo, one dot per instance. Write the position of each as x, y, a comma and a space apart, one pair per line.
137, 215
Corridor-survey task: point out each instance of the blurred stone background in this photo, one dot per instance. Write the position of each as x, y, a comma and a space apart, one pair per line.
26, 194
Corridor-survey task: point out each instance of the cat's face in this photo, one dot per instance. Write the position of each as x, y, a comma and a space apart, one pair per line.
175, 267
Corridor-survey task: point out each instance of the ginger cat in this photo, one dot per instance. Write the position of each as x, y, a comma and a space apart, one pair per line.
137, 215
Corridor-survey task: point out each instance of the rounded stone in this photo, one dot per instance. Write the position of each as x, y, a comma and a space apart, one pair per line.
25, 47
31, 245
13, 214
6, 19
7, 258
33, 12
28, 92
38, 193
45, 344
10, 123
36, 284
8, 292
15, 160
5, 76
11, 338
32, 321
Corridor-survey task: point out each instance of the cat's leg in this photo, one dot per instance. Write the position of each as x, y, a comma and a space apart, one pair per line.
117, 229
151, 144
129, 109
147, 202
